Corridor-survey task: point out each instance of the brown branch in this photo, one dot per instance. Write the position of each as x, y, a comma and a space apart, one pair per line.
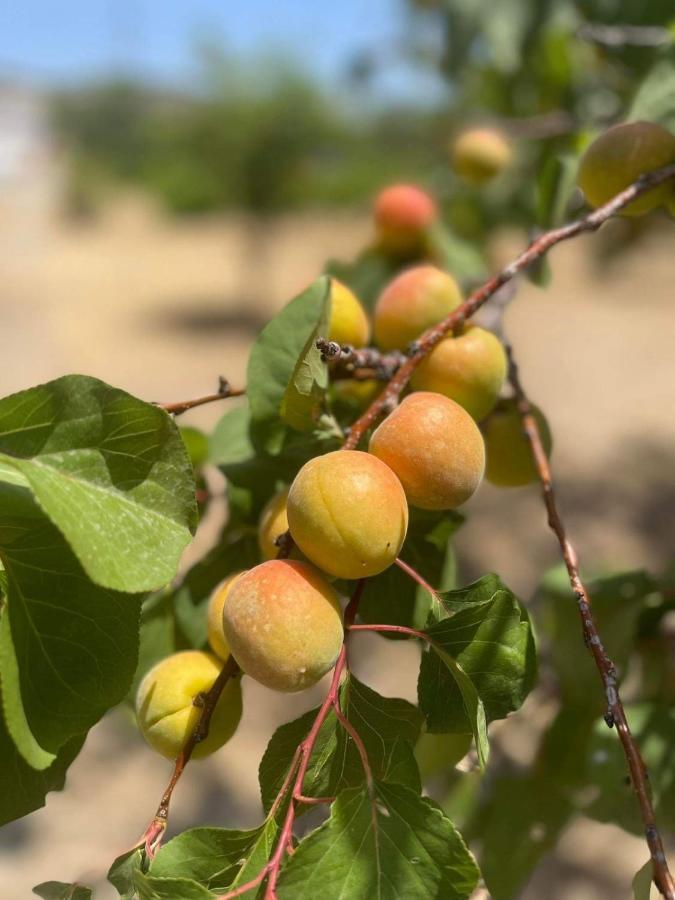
625, 35
224, 391
152, 838
367, 362
615, 711
535, 251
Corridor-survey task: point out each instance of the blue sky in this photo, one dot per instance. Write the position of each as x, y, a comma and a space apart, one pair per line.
48, 41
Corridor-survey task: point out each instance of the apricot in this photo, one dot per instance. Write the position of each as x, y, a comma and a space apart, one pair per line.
168, 708
214, 616
434, 447
480, 154
348, 321
414, 301
469, 369
273, 522
283, 623
509, 460
618, 156
403, 215
355, 392
347, 513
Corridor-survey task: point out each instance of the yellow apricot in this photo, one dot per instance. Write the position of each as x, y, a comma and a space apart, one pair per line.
414, 301
480, 154
348, 513
403, 215
273, 522
165, 703
618, 156
357, 393
283, 623
509, 460
214, 616
435, 448
469, 369
348, 321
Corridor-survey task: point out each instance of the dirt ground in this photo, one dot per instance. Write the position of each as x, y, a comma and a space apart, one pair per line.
162, 308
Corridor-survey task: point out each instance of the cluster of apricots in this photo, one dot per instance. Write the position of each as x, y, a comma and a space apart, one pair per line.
347, 510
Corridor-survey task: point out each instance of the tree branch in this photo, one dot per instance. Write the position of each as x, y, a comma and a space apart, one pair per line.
224, 391
535, 251
615, 711
152, 839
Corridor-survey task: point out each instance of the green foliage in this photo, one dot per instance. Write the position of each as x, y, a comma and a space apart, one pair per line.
59, 890
481, 663
388, 728
387, 844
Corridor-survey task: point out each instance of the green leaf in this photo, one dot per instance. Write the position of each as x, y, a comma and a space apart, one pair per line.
393, 845
216, 858
150, 888
110, 471
22, 788
642, 882
286, 379
653, 726
482, 662
59, 890
387, 726
68, 647
122, 872
654, 100
196, 444
617, 602
457, 255
392, 597
555, 183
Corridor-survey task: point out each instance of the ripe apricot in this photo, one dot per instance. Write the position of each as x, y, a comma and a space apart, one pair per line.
618, 156
348, 513
403, 214
348, 321
282, 620
414, 301
166, 710
435, 448
273, 522
214, 617
480, 154
469, 369
509, 460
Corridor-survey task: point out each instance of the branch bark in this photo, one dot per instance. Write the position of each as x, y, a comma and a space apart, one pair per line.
616, 715
224, 391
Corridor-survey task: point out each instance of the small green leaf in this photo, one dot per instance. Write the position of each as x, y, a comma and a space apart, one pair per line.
482, 663
216, 858
286, 379
555, 183
110, 471
122, 872
394, 844
387, 726
150, 888
457, 255
59, 890
654, 100
642, 882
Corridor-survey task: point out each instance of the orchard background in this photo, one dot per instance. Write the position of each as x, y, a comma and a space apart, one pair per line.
97, 278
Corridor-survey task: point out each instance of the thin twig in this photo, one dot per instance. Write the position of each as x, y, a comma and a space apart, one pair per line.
615, 712
152, 838
416, 577
224, 391
536, 250
625, 35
